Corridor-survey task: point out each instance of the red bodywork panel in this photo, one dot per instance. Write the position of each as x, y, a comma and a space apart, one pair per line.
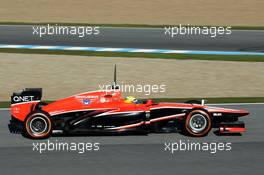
232, 129
21, 110
97, 100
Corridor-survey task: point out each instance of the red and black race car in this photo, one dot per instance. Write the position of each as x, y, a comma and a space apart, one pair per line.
107, 112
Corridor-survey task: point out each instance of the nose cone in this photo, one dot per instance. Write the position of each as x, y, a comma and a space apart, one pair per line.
239, 112
243, 112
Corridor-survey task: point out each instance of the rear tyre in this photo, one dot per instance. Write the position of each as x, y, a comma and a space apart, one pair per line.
198, 123
38, 125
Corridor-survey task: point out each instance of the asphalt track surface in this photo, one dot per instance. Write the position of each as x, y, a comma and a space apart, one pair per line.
143, 38
138, 154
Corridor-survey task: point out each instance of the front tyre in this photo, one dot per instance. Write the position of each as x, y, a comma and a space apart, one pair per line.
198, 123
38, 125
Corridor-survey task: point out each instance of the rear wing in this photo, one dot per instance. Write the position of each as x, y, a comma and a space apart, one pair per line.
26, 95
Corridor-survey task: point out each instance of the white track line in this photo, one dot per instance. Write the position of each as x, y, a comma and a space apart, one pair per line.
4, 109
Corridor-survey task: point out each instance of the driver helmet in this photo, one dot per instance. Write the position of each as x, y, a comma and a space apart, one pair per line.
131, 99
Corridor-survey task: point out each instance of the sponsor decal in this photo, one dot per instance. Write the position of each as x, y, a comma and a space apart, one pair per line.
217, 114
23, 98
86, 101
87, 96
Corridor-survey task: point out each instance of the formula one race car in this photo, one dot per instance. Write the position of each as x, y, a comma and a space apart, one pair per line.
107, 112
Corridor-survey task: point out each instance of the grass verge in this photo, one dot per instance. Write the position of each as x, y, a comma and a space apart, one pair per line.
5, 104
125, 25
247, 58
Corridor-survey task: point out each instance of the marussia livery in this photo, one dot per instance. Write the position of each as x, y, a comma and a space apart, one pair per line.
107, 112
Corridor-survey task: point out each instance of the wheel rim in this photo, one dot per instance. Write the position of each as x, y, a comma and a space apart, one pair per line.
38, 126
198, 123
